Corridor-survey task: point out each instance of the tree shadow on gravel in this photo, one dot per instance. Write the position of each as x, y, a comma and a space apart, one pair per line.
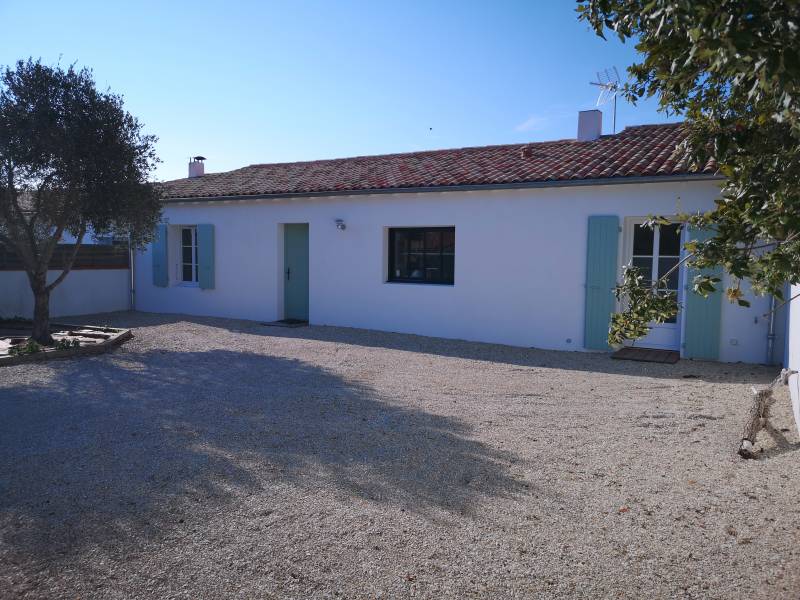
513, 356
127, 446
586, 362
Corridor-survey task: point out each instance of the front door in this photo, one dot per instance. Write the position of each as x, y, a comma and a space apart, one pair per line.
295, 271
654, 252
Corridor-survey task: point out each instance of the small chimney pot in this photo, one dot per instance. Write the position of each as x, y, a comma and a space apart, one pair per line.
590, 125
197, 167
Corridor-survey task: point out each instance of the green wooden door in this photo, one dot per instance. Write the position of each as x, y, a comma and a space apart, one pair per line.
295, 271
702, 315
601, 277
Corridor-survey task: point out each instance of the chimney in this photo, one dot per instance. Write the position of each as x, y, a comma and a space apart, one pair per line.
196, 166
590, 125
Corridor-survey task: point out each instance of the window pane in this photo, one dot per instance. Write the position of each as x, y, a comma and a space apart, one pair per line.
399, 256
187, 273
400, 266
433, 266
433, 240
408, 256
400, 243
416, 266
672, 320
416, 242
186, 236
448, 268
187, 254
449, 240
642, 240
645, 266
400, 240
670, 242
664, 265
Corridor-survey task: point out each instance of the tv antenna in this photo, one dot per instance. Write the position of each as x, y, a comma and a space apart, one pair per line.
608, 82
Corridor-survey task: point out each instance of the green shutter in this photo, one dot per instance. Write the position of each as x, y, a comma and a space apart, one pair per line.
601, 278
159, 251
205, 256
702, 315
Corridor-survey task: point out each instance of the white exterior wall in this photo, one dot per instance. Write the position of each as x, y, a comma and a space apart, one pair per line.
743, 331
83, 291
520, 262
793, 343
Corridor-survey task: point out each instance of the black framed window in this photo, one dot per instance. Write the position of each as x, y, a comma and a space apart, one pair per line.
422, 254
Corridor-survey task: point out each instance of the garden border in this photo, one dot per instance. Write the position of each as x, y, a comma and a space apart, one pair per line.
117, 337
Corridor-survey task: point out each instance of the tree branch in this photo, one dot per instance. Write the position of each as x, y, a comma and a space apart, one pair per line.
781, 305
776, 243
70, 260
22, 222
18, 226
669, 272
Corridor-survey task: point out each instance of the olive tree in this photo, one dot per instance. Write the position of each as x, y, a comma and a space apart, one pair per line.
72, 160
732, 68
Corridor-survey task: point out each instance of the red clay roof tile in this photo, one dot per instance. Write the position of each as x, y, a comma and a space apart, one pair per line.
640, 151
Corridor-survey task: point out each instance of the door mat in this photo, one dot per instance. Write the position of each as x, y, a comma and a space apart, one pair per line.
287, 323
669, 357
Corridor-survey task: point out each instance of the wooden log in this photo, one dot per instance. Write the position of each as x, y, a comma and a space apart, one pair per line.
758, 418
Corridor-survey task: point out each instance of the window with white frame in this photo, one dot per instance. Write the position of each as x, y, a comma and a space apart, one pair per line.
189, 254
656, 252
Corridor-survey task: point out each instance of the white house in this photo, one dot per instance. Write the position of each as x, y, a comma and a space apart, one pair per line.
517, 244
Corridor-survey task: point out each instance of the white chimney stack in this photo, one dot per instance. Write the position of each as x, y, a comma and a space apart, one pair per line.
196, 166
590, 125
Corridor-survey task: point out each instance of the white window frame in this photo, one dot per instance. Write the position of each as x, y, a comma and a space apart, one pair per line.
194, 282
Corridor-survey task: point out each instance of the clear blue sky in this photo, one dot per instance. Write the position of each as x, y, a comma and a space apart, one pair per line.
247, 82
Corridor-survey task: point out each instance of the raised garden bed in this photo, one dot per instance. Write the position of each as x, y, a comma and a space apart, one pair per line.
69, 341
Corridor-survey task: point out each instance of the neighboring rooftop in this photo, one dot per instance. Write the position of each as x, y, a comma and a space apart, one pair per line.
639, 151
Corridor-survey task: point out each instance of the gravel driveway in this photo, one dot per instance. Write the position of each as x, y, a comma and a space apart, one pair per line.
213, 458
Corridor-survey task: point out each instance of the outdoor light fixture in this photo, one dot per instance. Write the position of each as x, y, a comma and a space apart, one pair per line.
340, 225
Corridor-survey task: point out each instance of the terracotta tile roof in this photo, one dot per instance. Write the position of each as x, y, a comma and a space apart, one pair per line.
640, 151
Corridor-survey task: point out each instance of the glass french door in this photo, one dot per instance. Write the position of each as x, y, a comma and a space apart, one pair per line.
654, 252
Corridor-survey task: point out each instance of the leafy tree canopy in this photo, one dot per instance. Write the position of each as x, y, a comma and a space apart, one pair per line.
732, 68
71, 160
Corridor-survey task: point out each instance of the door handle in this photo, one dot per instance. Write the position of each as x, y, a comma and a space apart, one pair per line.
288, 274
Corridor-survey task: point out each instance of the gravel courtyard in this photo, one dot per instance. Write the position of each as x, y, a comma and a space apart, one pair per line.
212, 458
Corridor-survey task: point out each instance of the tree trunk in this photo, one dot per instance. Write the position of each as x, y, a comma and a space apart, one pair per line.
41, 314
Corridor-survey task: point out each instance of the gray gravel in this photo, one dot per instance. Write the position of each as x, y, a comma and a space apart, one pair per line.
214, 458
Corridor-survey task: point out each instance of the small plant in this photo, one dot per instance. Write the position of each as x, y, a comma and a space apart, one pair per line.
66, 344
31, 347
